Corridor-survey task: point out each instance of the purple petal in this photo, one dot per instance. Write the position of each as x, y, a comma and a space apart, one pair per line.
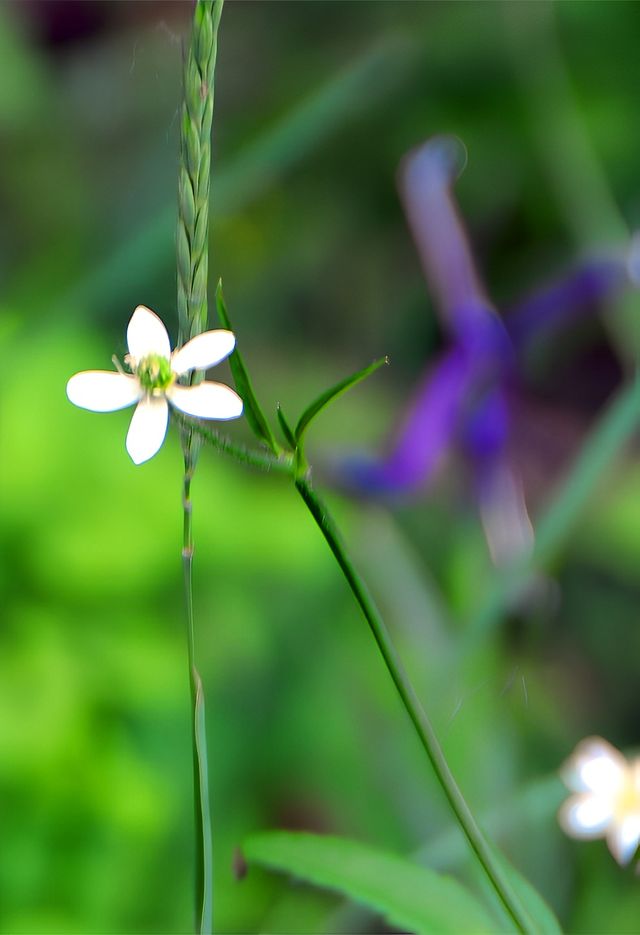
424, 437
485, 430
425, 181
580, 292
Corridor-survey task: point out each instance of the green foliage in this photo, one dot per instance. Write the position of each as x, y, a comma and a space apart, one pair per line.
409, 897
314, 408
252, 411
287, 431
95, 787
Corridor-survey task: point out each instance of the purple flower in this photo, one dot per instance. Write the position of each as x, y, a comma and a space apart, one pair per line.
560, 303
464, 399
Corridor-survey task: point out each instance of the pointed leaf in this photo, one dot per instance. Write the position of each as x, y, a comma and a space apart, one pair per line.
318, 404
286, 428
410, 897
254, 414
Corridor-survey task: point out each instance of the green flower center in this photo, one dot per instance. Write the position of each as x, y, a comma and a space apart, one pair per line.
155, 373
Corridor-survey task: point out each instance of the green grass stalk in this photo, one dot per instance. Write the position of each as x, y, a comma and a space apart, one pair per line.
195, 170
192, 241
204, 841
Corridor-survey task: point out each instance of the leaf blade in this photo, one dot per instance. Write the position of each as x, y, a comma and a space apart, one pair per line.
332, 393
409, 896
253, 413
286, 428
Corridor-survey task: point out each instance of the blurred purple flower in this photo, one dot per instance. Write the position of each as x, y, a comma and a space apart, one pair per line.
463, 400
561, 302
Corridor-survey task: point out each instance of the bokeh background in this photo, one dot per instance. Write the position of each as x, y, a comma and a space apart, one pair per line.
316, 103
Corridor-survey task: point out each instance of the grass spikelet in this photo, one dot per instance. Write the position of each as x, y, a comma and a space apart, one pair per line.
194, 172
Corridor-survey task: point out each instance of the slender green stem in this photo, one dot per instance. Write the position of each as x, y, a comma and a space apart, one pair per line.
395, 667
414, 709
204, 847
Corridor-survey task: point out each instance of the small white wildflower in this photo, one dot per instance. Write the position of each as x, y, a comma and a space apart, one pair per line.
152, 383
606, 799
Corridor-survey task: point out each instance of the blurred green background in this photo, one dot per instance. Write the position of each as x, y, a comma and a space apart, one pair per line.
316, 103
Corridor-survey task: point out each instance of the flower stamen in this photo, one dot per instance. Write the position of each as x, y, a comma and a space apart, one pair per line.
155, 374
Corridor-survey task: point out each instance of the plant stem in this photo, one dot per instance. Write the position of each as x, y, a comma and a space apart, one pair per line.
204, 846
414, 709
192, 242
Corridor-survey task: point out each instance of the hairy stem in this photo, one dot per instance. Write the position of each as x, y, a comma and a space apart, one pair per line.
251, 457
414, 709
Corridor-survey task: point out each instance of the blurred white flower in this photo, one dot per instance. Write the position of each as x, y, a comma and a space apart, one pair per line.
152, 383
606, 799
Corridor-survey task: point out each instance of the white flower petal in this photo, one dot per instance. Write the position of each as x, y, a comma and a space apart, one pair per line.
623, 838
203, 351
146, 334
586, 815
103, 390
148, 429
206, 400
595, 766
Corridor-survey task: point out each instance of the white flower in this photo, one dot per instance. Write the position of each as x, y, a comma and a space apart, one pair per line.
152, 383
606, 800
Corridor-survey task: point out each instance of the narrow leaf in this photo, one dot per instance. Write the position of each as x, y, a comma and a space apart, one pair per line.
318, 404
410, 897
286, 428
253, 412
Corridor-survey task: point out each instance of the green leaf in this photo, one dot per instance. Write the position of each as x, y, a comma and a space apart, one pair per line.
286, 428
410, 897
253, 412
318, 404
